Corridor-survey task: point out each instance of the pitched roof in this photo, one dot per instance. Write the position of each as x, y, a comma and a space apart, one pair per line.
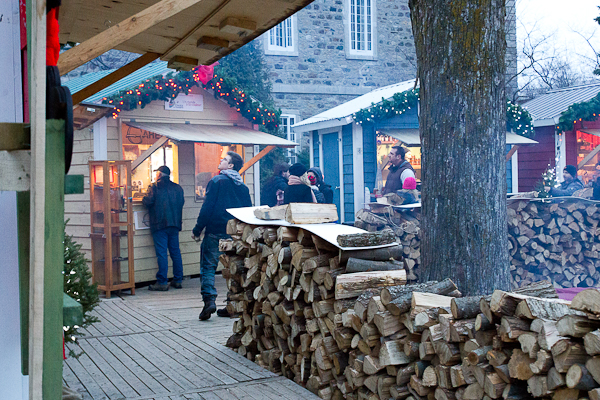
342, 114
131, 80
546, 109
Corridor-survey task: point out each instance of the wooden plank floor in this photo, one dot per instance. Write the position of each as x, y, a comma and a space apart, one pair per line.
152, 346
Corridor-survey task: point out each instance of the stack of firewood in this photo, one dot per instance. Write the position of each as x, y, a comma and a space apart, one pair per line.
308, 312
556, 241
405, 225
291, 288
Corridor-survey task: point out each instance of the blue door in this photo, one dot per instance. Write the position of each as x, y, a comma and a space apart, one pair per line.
331, 166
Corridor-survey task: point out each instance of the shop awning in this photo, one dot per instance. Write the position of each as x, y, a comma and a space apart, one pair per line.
410, 137
220, 134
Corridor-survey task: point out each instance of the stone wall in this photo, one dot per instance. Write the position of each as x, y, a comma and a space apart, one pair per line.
321, 74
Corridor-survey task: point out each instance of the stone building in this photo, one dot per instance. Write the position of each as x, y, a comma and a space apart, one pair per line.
335, 50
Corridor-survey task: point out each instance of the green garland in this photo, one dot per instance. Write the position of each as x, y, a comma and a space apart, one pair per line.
173, 84
517, 118
584, 111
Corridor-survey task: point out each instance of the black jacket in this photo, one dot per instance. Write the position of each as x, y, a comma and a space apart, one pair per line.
324, 189
297, 194
164, 200
268, 195
221, 193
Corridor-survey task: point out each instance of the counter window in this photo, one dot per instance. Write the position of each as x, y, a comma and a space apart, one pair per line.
208, 156
385, 144
586, 143
135, 143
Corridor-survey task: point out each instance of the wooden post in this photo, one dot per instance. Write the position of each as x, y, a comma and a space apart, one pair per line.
257, 157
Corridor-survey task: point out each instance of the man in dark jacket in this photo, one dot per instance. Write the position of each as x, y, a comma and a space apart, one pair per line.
399, 171
570, 185
164, 200
226, 190
278, 182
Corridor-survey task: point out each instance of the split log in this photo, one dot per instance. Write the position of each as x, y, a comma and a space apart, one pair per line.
272, 213
382, 254
310, 213
383, 237
591, 342
358, 265
579, 378
466, 307
576, 326
352, 285
593, 367
587, 300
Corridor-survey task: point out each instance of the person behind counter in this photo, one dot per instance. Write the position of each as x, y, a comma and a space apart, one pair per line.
272, 193
298, 190
226, 190
164, 201
400, 170
570, 184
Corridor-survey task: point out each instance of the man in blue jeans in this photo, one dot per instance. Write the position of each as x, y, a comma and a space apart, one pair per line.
164, 200
226, 190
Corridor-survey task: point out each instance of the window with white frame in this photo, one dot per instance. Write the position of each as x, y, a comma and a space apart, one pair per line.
286, 124
283, 36
361, 26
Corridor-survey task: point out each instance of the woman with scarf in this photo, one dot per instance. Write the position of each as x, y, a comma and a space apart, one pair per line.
323, 191
298, 190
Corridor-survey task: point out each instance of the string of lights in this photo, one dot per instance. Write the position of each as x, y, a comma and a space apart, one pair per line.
172, 85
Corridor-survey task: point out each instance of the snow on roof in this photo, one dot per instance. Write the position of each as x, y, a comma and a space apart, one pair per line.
546, 109
342, 114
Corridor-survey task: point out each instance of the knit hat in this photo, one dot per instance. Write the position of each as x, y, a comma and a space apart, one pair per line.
409, 183
571, 170
297, 169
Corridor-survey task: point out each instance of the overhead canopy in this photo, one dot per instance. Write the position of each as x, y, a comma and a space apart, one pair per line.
185, 32
220, 134
410, 137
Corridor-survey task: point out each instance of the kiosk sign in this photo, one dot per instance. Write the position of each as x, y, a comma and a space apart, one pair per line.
190, 102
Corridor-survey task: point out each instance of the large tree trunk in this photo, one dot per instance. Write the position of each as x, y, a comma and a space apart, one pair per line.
460, 48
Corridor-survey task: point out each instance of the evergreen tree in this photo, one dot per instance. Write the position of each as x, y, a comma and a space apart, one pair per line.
78, 285
247, 66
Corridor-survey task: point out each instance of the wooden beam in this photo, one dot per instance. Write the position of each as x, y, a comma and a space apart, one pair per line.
511, 152
36, 55
588, 157
167, 53
148, 152
120, 33
114, 77
257, 157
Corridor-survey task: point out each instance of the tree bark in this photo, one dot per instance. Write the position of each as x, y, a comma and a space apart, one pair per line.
460, 47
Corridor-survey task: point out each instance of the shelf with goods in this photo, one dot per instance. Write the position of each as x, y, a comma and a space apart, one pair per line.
111, 226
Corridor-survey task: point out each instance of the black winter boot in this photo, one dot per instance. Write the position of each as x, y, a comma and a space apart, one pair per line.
209, 308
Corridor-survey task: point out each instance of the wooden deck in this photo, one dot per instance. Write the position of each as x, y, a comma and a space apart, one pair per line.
152, 346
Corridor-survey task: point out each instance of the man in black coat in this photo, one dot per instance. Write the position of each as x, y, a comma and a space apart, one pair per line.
164, 200
277, 183
226, 190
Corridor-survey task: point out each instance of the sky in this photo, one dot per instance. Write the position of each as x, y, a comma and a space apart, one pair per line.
562, 19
